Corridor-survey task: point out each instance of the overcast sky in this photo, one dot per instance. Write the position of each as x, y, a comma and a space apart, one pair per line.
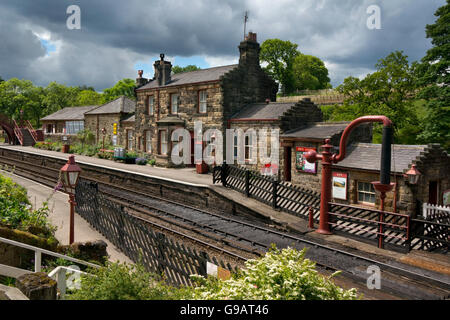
119, 37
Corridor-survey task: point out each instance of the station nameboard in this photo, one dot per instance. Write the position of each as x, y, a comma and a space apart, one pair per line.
300, 161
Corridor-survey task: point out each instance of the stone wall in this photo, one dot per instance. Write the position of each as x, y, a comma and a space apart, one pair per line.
188, 112
301, 114
96, 122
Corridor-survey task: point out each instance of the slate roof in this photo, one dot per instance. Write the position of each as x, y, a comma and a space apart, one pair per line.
69, 113
121, 104
367, 156
130, 119
202, 75
271, 110
319, 131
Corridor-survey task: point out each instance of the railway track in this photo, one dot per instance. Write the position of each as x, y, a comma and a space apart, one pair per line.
241, 239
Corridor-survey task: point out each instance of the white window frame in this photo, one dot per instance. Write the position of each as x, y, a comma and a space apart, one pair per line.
73, 127
371, 192
202, 101
151, 105
148, 141
130, 139
174, 103
163, 142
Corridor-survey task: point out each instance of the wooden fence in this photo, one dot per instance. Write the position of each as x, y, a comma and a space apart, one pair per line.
138, 241
278, 194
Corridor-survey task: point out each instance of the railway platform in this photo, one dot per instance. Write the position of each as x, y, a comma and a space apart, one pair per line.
435, 262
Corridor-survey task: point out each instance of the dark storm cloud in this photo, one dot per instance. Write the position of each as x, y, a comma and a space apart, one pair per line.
117, 34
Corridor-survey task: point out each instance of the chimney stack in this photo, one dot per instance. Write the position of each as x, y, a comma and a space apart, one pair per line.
249, 50
163, 70
140, 81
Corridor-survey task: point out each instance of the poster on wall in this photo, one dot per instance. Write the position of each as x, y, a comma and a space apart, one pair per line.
339, 185
300, 161
446, 198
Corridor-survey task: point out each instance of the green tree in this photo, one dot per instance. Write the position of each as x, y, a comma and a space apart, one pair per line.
58, 96
1, 79
124, 87
279, 56
20, 99
191, 67
89, 98
388, 91
434, 80
310, 73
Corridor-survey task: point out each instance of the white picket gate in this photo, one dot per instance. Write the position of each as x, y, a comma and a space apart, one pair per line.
433, 211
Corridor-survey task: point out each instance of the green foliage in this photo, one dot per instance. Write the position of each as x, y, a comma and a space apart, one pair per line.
434, 81
279, 275
310, 73
188, 68
86, 137
388, 91
152, 162
16, 211
123, 282
88, 98
279, 56
20, 95
131, 154
124, 87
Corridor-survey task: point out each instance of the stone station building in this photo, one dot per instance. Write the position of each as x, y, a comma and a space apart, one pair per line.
69, 121
212, 96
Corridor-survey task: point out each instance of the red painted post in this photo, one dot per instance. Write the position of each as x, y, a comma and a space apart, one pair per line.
311, 218
325, 196
328, 159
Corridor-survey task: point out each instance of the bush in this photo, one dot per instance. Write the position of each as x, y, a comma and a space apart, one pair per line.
131, 154
152, 162
16, 211
279, 275
123, 282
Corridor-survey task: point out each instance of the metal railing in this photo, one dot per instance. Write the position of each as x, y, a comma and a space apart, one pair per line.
31, 130
58, 274
18, 132
138, 240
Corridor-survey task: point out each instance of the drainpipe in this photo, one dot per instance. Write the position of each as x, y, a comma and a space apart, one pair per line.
328, 159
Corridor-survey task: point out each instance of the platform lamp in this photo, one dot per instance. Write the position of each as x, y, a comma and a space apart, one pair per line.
70, 173
413, 175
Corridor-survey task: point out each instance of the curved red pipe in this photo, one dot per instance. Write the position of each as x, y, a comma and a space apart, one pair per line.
343, 143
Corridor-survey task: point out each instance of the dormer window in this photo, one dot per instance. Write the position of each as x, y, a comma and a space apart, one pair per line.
174, 103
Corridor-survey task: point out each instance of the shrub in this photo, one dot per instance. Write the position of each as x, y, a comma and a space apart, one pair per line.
123, 282
16, 211
152, 162
279, 275
131, 154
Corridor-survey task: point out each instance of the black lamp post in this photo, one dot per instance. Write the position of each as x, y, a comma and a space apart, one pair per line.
70, 173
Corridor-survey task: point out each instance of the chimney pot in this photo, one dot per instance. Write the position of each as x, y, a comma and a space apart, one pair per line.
140, 73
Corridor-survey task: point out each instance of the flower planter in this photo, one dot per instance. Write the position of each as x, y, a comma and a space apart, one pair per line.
202, 168
130, 160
